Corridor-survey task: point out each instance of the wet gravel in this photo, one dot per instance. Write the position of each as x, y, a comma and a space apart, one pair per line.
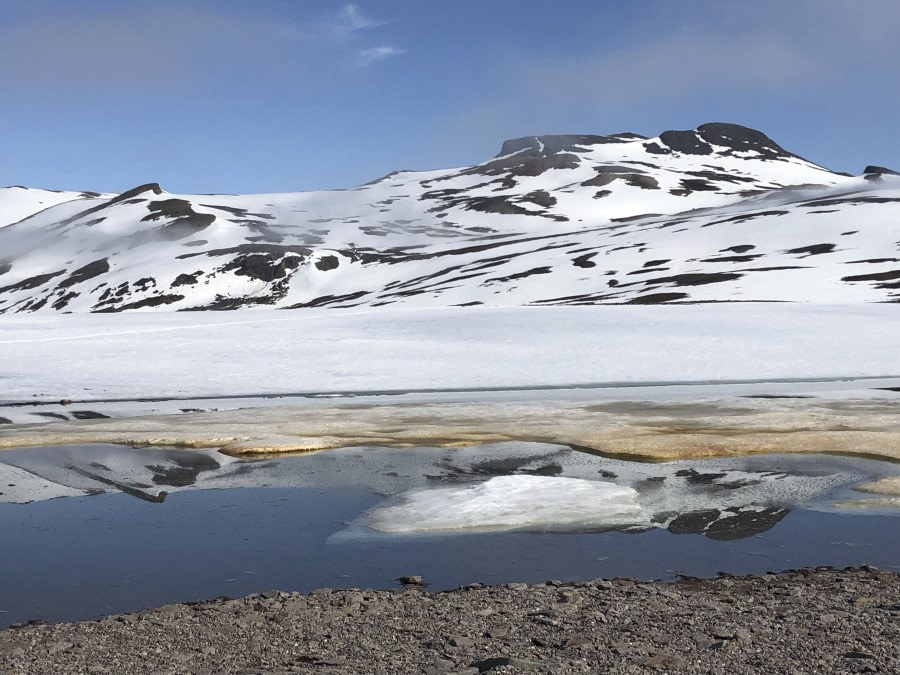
807, 621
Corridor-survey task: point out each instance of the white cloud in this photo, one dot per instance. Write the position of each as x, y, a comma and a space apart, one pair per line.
350, 19
367, 57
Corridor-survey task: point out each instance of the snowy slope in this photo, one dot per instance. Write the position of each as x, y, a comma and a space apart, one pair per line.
17, 202
718, 213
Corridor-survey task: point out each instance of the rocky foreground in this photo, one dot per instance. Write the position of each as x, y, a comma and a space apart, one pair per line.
809, 621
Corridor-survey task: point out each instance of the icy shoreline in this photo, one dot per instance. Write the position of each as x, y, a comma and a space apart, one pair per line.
636, 429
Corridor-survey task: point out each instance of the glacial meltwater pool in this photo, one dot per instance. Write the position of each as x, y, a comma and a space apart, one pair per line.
100, 529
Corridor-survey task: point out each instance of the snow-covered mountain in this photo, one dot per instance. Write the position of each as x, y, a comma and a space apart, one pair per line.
718, 213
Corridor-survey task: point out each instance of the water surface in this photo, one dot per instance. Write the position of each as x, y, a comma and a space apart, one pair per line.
191, 525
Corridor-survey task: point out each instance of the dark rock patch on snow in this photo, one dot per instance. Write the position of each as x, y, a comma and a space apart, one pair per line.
153, 301
32, 282
89, 271
813, 249
657, 298
327, 262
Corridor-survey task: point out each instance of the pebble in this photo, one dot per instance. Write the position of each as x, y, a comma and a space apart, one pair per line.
733, 625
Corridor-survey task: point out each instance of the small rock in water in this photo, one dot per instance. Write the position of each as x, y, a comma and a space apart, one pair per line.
411, 580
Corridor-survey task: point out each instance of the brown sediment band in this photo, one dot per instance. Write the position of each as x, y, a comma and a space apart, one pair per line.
885, 486
636, 430
882, 503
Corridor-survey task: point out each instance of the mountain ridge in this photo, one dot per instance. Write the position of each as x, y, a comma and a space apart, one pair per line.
723, 213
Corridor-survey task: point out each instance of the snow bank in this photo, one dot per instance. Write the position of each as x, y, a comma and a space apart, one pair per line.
509, 503
140, 355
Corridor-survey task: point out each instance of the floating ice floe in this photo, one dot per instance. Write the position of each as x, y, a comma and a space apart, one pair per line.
510, 503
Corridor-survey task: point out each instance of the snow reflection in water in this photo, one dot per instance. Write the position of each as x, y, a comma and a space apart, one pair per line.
206, 524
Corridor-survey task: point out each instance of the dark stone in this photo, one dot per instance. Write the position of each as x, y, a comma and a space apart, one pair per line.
629, 177
857, 655
689, 185
327, 262
88, 415
584, 260
32, 282
740, 248
154, 301
411, 580
263, 266
875, 276
657, 298
520, 275
64, 300
186, 279
89, 271
275, 249
325, 300
880, 170
657, 149
695, 278
185, 221
814, 249
499, 204
734, 258
187, 467
541, 198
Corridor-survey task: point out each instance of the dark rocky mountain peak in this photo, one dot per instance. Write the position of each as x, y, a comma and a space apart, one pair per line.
734, 137
880, 170
139, 190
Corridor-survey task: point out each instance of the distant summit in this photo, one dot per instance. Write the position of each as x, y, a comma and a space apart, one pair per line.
707, 139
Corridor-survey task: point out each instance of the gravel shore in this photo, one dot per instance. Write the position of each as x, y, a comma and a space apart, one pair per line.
807, 621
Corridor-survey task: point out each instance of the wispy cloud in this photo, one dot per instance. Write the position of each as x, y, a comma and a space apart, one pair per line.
351, 19
367, 57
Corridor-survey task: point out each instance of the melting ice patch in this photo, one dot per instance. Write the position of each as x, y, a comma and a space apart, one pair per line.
510, 503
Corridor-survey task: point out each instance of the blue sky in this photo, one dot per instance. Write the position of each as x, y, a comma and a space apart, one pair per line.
283, 95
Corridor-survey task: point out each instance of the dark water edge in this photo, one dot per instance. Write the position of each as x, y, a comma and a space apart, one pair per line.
86, 557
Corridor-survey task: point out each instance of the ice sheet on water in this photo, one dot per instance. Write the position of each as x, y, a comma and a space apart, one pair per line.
511, 502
